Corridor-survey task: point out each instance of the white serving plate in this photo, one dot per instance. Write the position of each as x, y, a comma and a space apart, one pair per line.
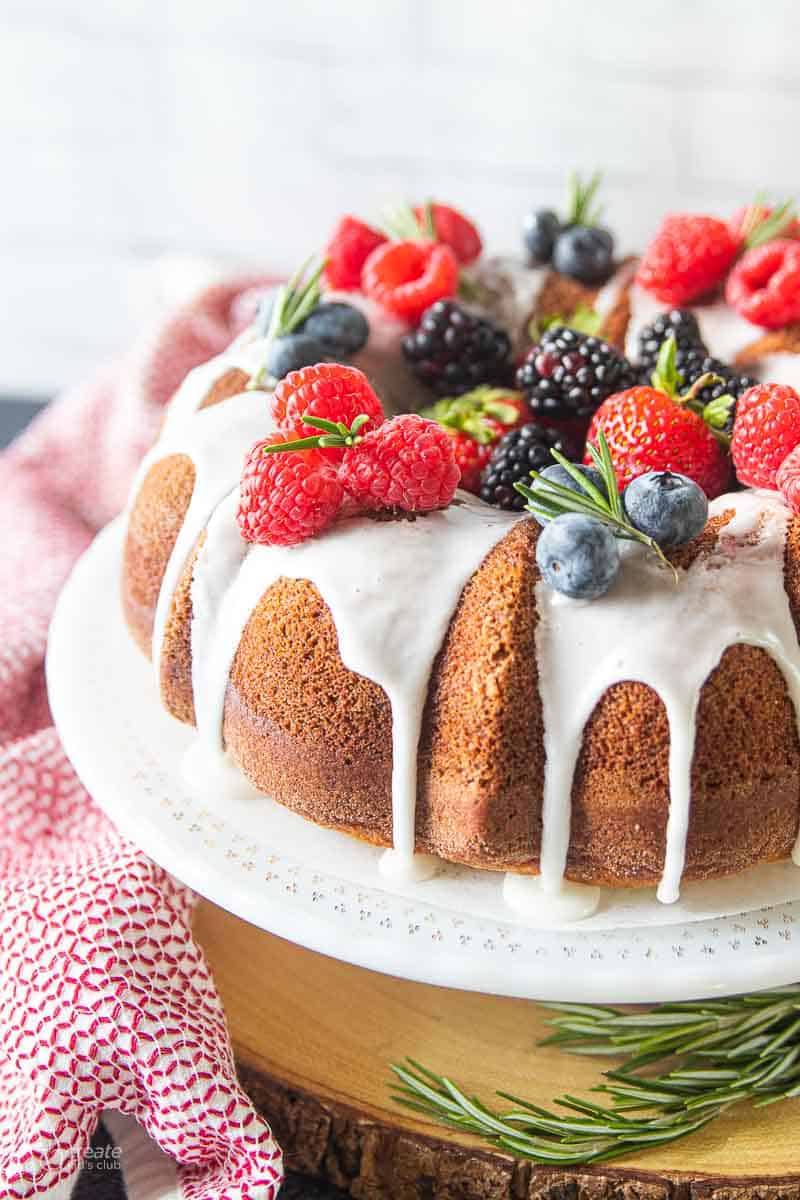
323, 890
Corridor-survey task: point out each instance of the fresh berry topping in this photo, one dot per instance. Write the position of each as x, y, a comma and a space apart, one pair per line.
453, 350
341, 328
286, 497
407, 464
766, 430
578, 556
764, 286
453, 229
476, 421
557, 474
788, 479
404, 278
539, 233
329, 391
687, 257
350, 246
517, 454
728, 384
692, 361
585, 253
684, 327
568, 374
647, 430
669, 508
292, 352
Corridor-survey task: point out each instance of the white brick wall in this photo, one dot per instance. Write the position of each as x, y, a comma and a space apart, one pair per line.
238, 130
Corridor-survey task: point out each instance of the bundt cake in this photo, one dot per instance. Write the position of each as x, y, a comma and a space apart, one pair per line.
408, 678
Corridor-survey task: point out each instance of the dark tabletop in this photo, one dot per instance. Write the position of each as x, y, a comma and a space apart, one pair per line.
107, 1185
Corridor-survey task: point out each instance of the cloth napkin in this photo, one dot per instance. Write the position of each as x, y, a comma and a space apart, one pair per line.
106, 1001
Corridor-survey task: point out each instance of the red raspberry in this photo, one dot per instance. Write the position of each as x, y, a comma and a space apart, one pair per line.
764, 286
328, 390
409, 463
687, 257
454, 230
766, 429
788, 479
405, 277
350, 246
286, 497
648, 431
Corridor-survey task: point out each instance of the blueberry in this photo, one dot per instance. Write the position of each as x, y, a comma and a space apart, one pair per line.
342, 328
584, 252
559, 474
292, 352
264, 312
539, 232
669, 508
578, 556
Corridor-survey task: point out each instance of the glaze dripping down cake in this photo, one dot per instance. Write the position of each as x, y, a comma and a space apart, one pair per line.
404, 669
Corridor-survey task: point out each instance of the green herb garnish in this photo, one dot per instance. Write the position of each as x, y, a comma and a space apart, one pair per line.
721, 1052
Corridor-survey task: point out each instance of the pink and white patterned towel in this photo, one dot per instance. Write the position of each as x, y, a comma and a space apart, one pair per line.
106, 1001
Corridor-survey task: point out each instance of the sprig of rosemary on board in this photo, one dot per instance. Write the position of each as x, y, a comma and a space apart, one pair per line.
718, 1053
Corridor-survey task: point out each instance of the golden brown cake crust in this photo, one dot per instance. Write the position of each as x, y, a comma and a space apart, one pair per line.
317, 737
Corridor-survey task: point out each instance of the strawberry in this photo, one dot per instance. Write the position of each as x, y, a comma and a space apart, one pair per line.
453, 229
656, 429
687, 257
405, 277
350, 245
764, 286
476, 421
766, 430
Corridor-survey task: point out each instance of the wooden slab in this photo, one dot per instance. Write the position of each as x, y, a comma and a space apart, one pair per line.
313, 1038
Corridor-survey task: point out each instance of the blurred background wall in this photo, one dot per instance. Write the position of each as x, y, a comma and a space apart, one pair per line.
235, 131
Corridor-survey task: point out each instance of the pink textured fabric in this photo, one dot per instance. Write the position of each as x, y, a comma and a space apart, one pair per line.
105, 999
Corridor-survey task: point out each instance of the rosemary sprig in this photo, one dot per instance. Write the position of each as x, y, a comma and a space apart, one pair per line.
759, 226
294, 301
720, 1052
333, 434
548, 499
402, 223
581, 207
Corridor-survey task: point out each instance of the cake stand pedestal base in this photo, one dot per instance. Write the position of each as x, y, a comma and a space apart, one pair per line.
313, 1038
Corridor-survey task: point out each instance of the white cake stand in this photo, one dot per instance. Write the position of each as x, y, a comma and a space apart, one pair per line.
322, 889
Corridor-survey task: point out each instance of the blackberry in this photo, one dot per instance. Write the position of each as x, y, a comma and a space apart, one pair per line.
453, 350
569, 374
518, 453
693, 363
679, 321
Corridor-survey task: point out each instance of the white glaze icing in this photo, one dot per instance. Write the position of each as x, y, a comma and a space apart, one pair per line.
392, 588
669, 636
